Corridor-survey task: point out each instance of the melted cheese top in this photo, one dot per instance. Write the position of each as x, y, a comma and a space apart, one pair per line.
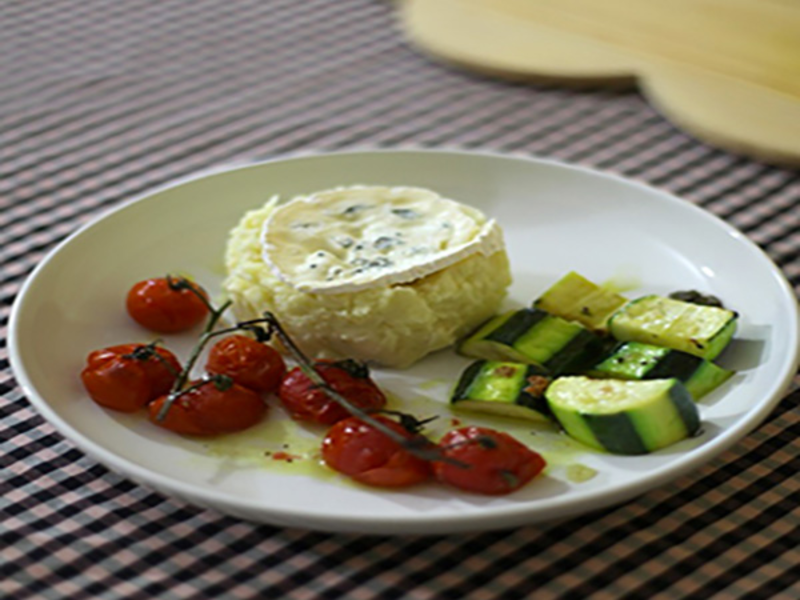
355, 238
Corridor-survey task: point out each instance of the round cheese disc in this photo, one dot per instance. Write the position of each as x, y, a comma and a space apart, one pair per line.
355, 238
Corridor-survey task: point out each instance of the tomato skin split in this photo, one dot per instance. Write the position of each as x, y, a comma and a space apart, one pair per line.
206, 410
494, 463
157, 305
248, 362
356, 449
126, 377
306, 402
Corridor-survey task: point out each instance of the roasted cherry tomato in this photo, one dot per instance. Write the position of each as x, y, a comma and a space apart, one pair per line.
128, 376
167, 304
248, 362
493, 462
306, 402
207, 408
369, 456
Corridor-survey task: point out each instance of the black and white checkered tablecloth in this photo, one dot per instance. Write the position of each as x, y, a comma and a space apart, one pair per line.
100, 101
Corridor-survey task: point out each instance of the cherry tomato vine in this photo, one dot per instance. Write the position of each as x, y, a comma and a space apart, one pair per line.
367, 442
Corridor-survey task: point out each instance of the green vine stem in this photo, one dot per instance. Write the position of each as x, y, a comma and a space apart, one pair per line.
208, 333
417, 444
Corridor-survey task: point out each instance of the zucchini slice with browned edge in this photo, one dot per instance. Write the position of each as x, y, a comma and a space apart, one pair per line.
623, 417
552, 344
502, 388
575, 298
700, 330
635, 360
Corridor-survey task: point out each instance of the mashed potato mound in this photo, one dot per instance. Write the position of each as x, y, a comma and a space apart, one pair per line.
394, 325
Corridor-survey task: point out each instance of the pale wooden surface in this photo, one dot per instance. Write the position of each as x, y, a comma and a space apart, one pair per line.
727, 71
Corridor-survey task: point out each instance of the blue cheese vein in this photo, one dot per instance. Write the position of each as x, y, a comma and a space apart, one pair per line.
356, 238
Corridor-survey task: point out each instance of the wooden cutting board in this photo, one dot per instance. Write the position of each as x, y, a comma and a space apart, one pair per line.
726, 71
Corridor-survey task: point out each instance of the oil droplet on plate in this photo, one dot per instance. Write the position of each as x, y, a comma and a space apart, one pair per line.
578, 473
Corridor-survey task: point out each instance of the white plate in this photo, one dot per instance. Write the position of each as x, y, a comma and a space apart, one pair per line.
556, 218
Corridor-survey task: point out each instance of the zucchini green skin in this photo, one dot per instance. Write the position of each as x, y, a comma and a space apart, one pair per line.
623, 417
502, 388
703, 331
551, 344
575, 298
636, 360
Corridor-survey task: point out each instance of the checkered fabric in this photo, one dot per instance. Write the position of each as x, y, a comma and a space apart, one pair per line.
100, 101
